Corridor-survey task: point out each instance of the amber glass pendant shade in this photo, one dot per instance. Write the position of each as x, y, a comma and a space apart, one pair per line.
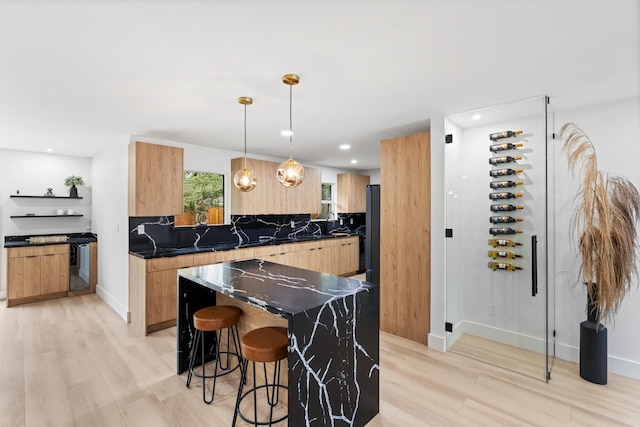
290, 173
245, 180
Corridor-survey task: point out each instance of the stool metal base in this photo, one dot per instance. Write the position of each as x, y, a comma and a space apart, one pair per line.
272, 390
232, 336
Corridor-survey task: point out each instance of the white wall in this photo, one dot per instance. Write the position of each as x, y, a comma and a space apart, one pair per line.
31, 174
110, 222
436, 338
614, 129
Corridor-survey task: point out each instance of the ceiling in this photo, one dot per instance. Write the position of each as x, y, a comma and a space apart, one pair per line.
77, 76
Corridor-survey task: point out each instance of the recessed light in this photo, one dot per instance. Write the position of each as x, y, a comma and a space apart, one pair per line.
286, 132
49, 150
345, 146
476, 117
354, 161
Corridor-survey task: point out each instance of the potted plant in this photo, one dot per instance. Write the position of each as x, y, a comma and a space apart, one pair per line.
71, 182
605, 223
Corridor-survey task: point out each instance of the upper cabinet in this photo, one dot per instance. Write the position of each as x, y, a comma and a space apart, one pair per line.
270, 197
155, 179
352, 193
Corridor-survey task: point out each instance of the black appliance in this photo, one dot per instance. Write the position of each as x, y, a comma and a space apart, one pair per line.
372, 240
79, 267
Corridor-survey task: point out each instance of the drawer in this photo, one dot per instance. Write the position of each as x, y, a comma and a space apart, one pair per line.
169, 263
37, 250
55, 249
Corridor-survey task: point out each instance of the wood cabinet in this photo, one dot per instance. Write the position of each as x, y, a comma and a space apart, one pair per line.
152, 291
352, 193
37, 273
270, 197
405, 236
152, 282
155, 179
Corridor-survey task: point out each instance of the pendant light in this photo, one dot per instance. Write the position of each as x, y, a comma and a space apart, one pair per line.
245, 178
290, 173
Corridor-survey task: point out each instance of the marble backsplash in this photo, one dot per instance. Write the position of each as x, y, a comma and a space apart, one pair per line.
159, 232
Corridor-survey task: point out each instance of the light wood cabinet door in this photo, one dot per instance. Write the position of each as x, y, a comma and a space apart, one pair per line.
37, 271
160, 290
352, 193
161, 297
307, 197
155, 179
55, 269
270, 197
405, 240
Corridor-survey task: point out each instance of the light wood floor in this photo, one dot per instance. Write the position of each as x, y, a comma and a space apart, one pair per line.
519, 360
74, 362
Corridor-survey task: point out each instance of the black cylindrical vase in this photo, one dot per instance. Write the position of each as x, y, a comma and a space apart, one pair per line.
593, 346
73, 191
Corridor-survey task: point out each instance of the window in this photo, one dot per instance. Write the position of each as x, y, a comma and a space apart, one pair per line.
327, 210
203, 199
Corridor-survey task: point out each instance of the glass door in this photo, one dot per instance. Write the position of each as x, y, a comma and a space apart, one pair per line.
499, 305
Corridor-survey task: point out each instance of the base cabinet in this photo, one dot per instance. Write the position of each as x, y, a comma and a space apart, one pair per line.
152, 282
37, 273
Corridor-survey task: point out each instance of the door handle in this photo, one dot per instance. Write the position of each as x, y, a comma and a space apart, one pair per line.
534, 265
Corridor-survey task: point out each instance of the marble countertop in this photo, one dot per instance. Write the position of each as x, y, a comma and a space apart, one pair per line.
170, 252
279, 289
74, 238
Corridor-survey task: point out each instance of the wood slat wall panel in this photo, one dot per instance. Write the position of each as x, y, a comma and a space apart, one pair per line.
405, 236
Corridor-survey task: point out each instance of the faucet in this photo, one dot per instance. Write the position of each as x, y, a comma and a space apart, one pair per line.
330, 216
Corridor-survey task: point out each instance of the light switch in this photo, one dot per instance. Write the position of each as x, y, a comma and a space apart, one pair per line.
141, 229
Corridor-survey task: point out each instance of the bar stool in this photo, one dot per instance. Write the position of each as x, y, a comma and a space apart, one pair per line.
215, 319
263, 345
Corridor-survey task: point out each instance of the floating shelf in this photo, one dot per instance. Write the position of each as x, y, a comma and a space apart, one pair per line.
45, 216
20, 196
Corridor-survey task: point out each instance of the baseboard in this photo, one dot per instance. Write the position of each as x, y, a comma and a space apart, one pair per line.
615, 365
503, 336
113, 303
436, 342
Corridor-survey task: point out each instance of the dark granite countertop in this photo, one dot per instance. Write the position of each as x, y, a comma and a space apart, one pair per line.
170, 252
279, 289
74, 238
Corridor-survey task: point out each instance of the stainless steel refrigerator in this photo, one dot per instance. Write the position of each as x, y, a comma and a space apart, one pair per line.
372, 240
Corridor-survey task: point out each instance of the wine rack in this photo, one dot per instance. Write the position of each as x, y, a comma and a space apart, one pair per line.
503, 154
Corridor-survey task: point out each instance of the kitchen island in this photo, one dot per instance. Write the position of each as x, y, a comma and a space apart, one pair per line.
333, 324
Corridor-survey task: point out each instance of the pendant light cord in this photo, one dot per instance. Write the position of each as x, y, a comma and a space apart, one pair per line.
244, 162
290, 123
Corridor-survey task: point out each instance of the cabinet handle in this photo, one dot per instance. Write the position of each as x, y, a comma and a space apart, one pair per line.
313, 249
31, 256
49, 254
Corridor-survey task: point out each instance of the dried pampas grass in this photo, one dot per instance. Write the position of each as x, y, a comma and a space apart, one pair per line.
605, 219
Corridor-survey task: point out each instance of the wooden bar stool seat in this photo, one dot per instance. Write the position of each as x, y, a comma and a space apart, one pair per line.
263, 345
215, 319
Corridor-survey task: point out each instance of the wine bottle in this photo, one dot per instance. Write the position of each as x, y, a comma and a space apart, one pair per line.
503, 230
504, 208
503, 254
503, 242
503, 219
504, 184
504, 172
503, 266
505, 146
504, 134
503, 159
504, 195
